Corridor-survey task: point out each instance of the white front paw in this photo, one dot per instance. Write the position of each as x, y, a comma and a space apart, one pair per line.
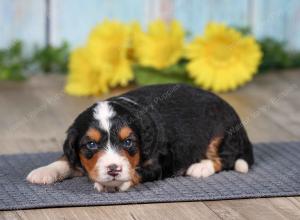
125, 186
99, 187
203, 169
43, 175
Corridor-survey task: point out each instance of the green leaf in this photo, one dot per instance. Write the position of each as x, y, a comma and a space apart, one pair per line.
148, 76
12, 62
275, 56
51, 59
295, 59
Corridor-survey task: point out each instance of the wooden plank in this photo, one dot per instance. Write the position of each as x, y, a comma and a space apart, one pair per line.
73, 20
291, 22
40, 115
29, 145
224, 210
270, 18
223, 11
36, 114
246, 209
190, 210
23, 20
276, 99
286, 207
197, 13
295, 200
65, 213
193, 15
9, 215
277, 19
258, 127
26, 114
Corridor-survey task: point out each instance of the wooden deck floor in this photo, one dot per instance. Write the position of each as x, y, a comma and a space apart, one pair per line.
34, 115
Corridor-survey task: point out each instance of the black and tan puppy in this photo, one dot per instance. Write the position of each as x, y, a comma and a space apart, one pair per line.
148, 134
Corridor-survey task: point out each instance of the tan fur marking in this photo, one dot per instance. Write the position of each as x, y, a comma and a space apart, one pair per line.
89, 164
212, 153
135, 178
134, 161
94, 134
124, 132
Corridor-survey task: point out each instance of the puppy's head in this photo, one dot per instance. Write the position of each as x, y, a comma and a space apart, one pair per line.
103, 142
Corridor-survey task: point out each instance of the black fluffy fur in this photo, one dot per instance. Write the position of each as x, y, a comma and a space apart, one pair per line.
175, 124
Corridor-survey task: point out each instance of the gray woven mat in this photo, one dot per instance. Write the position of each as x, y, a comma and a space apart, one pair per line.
275, 173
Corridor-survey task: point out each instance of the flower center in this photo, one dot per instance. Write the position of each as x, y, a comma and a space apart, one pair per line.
221, 52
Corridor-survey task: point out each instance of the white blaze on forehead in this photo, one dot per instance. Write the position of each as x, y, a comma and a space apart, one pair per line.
103, 112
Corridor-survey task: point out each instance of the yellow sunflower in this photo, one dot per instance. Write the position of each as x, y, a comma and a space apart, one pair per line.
135, 33
161, 46
108, 46
102, 63
222, 59
82, 79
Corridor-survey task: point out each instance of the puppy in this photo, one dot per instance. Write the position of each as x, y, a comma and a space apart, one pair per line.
149, 134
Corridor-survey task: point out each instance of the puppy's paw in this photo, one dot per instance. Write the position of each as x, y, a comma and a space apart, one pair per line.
125, 186
43, 175
203, 169
99, 187
241, 166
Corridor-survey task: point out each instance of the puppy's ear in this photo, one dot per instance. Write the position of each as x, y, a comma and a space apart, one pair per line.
70, 147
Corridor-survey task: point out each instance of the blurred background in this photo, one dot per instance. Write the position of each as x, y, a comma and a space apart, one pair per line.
38, 36
41, 22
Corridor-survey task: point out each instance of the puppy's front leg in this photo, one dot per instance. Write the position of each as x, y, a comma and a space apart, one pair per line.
56, 171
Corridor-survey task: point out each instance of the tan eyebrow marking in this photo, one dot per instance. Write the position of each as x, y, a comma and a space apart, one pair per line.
124, 132
94, 134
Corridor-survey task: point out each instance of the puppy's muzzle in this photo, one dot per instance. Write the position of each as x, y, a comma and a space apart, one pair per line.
114, 170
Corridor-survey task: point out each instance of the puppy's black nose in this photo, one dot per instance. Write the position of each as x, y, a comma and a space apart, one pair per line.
113, 170
112, 167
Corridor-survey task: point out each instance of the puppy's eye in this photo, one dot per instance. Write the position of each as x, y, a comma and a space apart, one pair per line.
92, 145
127, 143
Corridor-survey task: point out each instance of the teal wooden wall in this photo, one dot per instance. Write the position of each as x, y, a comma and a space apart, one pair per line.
71, 20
